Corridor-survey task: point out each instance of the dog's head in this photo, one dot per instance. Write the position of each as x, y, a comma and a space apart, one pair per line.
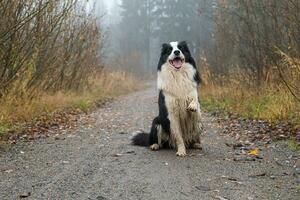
175, 54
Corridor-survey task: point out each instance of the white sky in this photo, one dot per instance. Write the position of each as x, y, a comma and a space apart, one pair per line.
109, 4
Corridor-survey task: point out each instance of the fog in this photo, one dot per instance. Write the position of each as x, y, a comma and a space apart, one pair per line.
134, 30
222, 34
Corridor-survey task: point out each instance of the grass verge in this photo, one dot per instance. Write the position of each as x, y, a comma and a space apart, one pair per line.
268, 104
14, 112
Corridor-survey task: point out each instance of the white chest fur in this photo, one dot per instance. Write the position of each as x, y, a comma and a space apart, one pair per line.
179, 84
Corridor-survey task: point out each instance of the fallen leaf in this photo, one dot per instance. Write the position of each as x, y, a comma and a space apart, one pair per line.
203, 188
235, 146
8, 171
230, 178
254, 152
117, 155
25, 195
220, 198
260, 174
100, 198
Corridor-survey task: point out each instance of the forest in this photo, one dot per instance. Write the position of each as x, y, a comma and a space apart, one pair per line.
50, 59
247, 52
47, 45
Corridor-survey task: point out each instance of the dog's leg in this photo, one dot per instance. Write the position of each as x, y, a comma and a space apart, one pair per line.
197, 144
177, 135
193, 104
154, 137
199, 130
156, 146
181, 151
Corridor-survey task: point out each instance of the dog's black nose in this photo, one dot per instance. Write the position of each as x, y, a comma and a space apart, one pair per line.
177, 52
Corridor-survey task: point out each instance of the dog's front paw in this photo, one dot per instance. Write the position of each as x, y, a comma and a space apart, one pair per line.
181, 152
197, 146
192, 107
154, 147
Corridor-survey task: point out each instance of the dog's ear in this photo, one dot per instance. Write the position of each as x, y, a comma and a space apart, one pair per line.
164, 46
184, 46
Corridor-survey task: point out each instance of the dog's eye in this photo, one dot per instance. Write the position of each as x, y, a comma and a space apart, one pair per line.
181, 47
167, 50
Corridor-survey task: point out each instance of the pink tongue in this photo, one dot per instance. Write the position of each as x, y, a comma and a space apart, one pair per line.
177, 63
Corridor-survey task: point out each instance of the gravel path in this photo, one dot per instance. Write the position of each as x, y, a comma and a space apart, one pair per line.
99, 163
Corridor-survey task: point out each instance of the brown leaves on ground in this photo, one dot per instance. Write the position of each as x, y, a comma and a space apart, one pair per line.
51, 123
252, 130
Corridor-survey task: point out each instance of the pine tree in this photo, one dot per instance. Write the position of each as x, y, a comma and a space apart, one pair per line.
164, 20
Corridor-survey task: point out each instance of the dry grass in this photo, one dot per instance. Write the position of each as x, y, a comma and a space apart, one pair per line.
104, 86
268, 104
272, 101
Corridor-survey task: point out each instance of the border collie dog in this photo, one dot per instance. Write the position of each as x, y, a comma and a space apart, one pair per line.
178, 124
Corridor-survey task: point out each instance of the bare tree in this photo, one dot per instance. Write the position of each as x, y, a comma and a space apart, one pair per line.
247, 33
47, 45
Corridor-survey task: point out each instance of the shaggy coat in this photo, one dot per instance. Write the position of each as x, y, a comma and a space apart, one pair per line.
178, 124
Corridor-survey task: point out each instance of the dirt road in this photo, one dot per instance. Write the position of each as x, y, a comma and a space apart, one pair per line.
99, 163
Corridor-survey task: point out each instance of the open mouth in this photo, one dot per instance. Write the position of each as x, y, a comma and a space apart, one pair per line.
177, 62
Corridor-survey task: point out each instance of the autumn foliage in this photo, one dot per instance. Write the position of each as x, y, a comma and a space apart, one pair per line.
254, 66
46, 46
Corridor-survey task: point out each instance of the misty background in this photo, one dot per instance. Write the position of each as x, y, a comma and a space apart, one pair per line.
62, 45
134, 30
225, 36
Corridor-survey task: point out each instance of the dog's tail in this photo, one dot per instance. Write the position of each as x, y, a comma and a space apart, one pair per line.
140, 138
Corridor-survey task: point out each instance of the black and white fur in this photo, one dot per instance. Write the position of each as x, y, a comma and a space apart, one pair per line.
178, 123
